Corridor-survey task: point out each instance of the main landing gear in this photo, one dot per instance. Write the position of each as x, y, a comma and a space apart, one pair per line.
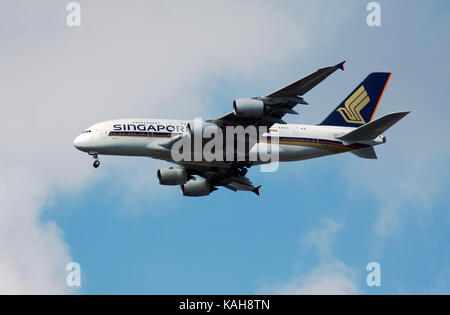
240, 169
95, 156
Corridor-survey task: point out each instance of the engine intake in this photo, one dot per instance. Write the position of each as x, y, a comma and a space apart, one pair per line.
196, 188
172, 176
248, 108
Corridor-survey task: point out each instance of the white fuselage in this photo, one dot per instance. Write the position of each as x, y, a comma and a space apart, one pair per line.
140, 137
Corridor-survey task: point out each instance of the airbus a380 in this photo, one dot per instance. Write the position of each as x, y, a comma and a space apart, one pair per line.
349, 128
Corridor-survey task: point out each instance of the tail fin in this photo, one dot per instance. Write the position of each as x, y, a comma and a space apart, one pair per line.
360, 106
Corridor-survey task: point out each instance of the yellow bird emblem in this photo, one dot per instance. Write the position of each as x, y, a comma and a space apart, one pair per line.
351, 111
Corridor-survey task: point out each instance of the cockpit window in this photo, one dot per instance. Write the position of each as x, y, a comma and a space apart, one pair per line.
87, 131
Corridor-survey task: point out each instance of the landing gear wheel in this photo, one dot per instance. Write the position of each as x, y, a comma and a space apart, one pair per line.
96, 163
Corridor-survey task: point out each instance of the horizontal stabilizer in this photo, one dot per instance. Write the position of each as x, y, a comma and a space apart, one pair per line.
366, 153
373, 129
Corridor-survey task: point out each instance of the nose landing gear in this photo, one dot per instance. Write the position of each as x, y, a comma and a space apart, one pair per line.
95, 156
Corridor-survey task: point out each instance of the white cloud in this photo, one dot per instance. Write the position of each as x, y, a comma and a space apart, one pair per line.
158, 59
33, 254
329, 279
330, 276
322, 238
411, 172
148, 59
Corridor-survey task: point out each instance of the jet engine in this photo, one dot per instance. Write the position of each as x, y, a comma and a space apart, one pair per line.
172, 176
248, 108
196, 188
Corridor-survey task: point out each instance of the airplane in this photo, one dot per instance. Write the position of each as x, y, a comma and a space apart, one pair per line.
348, 128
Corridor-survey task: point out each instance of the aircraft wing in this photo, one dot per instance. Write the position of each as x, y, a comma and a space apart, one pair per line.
242, 183
281, 102
222, 177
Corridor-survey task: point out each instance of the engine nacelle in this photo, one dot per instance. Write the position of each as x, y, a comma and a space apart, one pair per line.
172, 176
196, 188
248, 108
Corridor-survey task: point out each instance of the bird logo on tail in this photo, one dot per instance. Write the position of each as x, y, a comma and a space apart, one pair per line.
353, 106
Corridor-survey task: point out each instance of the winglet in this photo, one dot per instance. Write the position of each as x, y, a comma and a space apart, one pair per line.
341, 65
256, 190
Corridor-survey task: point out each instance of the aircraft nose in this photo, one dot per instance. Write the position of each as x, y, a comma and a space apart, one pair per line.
80, 142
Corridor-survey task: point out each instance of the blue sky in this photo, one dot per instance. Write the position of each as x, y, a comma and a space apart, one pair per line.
317, 223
